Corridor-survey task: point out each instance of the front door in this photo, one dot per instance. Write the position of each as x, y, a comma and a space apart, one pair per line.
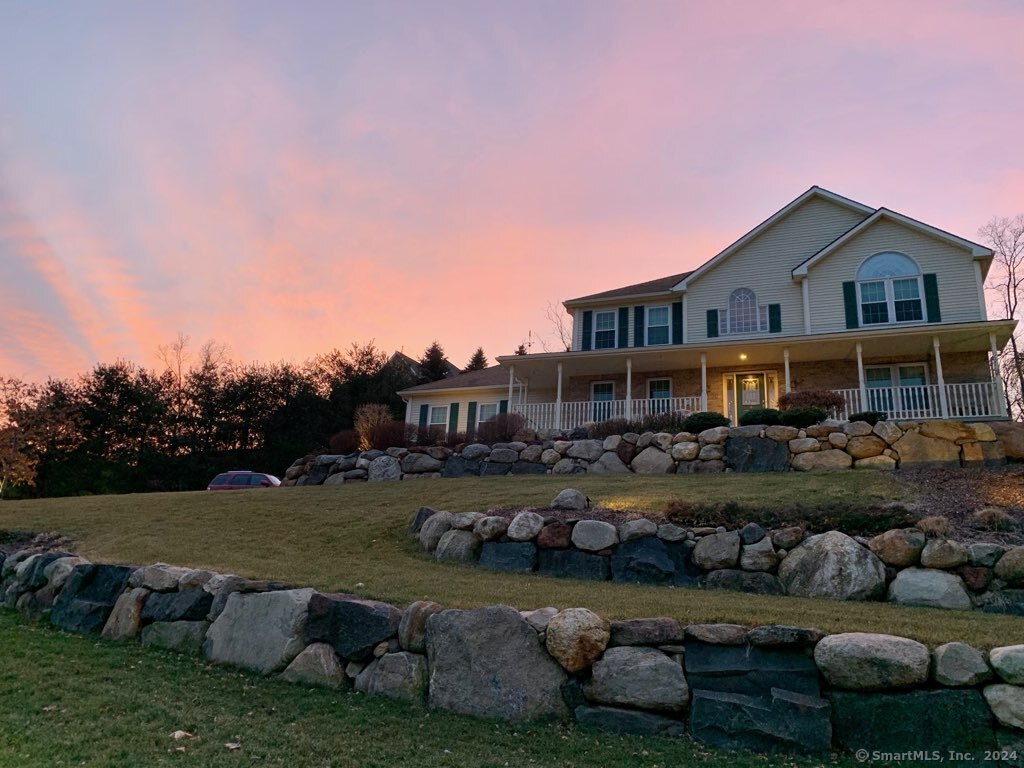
750, 392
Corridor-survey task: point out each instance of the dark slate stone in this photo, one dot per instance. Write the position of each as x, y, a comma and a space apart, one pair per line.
419, 518
518, 556
750, 670
643, 561
944, 720
529, 468
618, 720
751, 533
488, 468
317, 474
780, 722
572, 693
579, 434
657, 630
352, 625
187, 605
88, 596
373, 453
33, 578
1006, 601
346, 463
456, 466
688, 572
573, 564
756, 454
754, 582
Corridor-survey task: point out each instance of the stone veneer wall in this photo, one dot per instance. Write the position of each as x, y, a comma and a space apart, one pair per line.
835, 445
769, 688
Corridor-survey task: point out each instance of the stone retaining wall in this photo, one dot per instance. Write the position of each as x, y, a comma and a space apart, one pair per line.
837, 445
770, 688
902, 566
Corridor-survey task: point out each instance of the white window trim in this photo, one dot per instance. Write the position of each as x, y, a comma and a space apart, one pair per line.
594, 384
614, 329
894, 372
890, 300
667, 326
762, 312
659, 378
479, 410
430, 416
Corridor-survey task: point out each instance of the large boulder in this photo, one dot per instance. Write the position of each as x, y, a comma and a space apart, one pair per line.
719, 550
1011, 436
958, 664
929, 588
829, 459
900, 547
352, 625
179, 636
833, 566
88, 596
490, 528
433, 528
126, 616
943, 553
576, 638
400, 676
570, 498
1007, 704
158, 577
316, 665
637, 529
1010, 567
865, 446
916, 450
489, 662
594, 535
187, 605
751, 582
417, 463
514, 556
573, 564
862, 661
759, 556
261, 631
460, 546
643, 561
460, 466
617, 720
412, 629
525, 526
656, 630
634, 676
653, 461
756, 454
384, 468
1008, 662
588, 450
749, 670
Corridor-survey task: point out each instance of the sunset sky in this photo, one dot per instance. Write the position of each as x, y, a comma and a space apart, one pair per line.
287, 178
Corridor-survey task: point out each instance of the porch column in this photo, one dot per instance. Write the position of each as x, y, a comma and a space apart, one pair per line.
511, 383
943, 405
629, 388
558, 400
805, 294
703, 381
996, 374
785, 366
860, 379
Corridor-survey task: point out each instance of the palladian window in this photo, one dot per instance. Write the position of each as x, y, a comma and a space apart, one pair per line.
744, 315
889, 289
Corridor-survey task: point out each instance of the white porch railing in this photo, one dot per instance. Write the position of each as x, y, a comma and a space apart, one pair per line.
977, 400
576, 414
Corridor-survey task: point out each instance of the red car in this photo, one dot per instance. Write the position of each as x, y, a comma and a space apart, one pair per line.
242, 478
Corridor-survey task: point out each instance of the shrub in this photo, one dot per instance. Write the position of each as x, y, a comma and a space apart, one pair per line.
670, 421
453, 439
992, 519
346, 441
367, 417
826, 399
610, 427
935, 525
501, 428
802, 417
871, 417
698, 422
760, 416
393, 434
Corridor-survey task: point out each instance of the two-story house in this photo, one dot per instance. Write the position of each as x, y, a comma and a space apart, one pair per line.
827, 293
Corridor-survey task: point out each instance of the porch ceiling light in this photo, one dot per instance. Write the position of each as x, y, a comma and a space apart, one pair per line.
743, 355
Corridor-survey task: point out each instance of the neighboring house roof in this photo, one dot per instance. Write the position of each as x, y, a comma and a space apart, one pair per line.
414, 365
493, 376
660, 285
977, 251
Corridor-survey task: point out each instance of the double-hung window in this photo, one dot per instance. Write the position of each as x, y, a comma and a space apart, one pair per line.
438, 417
889, 289
604, 330
486, 412
658, 326
659, 393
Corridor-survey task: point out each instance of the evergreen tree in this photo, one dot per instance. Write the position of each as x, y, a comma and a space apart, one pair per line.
521, 349
477, 362
433, 366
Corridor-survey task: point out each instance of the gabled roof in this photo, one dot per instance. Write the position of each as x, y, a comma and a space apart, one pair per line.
813, 192
977, 251
493, 376
414, 365
660, 285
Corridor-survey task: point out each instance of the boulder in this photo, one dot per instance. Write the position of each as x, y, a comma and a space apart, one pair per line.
576, 638
260, 631
751, 533
412, 628
490, 528
829, 459
712, 452
760, 556
418, 518
833, 566
838, 439
750, 670
57, 571
1007, 704
549, 457
433, 528
863, 661
943, 553
88, 596
658, 630
609, 463
1010, 435
1008, 662
401, 676
719, 550
187, 605
316, 665
672, 532
685, 451
460, 466
917, 449
984, 554
643, 561
594, 535
756, 454
787, 538
539, 618
781, 433
1010, 567
717, 634
531, 454
465, 521
195, 578
888, 431
126, 616
976, 578
899, 547
557, 535
525, 526
513, 556
637, 529
588, 450
652, 461
570, 498
503, 456
384, 468
751, 582
639, 677
616, 720
780, 635
958, 664
476, 451
460, 546
352, 625
573, 564
804, 445
489, 662
158, 577
929, 588
865, 446
179, 636
713, 436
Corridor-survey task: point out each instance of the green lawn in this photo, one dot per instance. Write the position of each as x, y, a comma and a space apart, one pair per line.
70, 700
352, 538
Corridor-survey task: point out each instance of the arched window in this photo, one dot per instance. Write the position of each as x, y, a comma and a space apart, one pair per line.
889, 289
745, 316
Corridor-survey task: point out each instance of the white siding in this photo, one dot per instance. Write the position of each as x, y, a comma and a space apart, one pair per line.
577, 336
462, 398
953, 267
764, 265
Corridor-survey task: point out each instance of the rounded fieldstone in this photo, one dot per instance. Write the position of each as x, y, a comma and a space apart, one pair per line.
465, 521
1010, 567
460, 546
865, 446
570, 498
900, 547
594, 535
576, 638
637, 529
687, 451
1008, 662
1007, 704
490, 528
652, 461
639, 677
672, 532
413, 627
751, 533
434, 527
833, 566
863, 661
719, 550
943, 553
958, 664
525, 526
760, 556
929, 588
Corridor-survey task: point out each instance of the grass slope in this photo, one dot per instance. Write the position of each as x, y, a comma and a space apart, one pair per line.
352, 539
69, 700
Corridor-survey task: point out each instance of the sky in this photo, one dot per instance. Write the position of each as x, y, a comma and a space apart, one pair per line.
287, 178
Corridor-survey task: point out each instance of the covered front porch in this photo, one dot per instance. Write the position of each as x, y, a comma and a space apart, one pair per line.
907, 373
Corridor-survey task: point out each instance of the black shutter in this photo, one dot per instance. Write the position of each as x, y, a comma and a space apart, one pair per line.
638, 326
623, 326
712, 323
677, 322
774, 318
503, 406
453, 418
931, 298
588, 329
471, 417
850, 304
424, 413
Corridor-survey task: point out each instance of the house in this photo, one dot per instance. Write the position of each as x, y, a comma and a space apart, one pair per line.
827, 293
415, 369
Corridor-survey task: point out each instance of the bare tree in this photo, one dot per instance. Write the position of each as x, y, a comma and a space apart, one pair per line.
1005, 237
561, 330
